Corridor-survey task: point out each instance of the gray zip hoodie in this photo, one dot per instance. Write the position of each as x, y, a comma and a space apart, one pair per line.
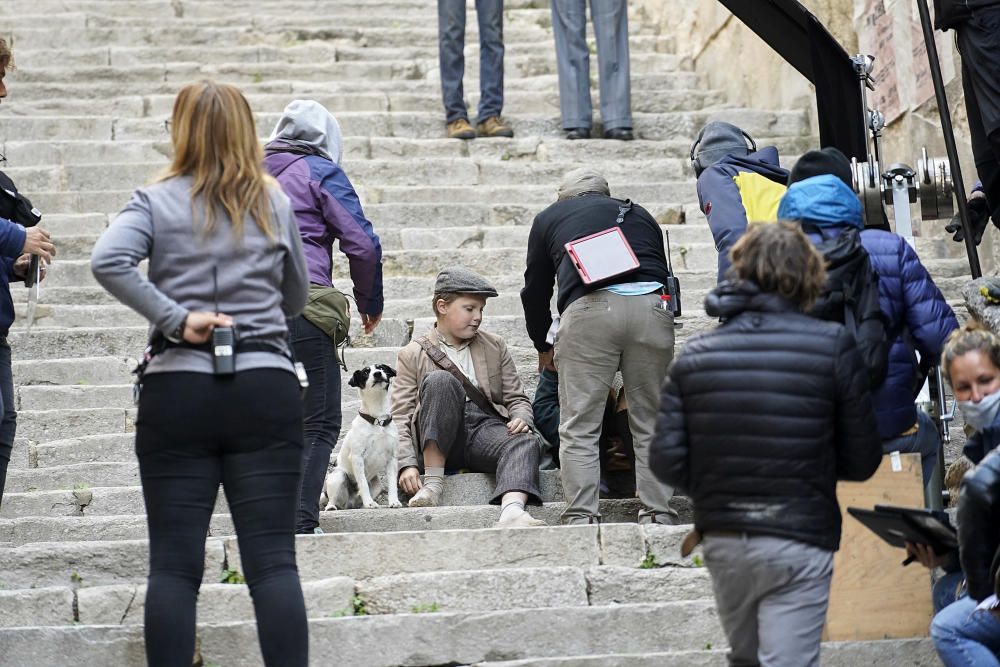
260, 282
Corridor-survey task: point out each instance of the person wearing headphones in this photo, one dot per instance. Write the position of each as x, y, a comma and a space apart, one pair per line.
737, 184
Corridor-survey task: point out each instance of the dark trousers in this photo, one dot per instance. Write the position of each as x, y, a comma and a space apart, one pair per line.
979, 45
8, 421
322, 415
451, 47
195, 431
469, 438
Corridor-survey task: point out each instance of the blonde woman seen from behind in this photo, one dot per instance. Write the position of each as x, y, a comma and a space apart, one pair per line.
224, 252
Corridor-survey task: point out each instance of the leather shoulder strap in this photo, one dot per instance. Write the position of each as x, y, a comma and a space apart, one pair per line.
476, 395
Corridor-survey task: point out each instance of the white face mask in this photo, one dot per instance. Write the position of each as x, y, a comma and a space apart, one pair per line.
982, 414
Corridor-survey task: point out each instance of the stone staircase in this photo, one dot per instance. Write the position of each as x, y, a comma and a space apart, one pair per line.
83, 127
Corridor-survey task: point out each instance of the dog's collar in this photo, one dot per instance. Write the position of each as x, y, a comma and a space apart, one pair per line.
384, 420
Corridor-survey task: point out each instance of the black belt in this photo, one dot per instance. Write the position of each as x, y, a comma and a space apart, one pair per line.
249, 345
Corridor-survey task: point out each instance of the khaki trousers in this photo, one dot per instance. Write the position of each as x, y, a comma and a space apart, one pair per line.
601, 333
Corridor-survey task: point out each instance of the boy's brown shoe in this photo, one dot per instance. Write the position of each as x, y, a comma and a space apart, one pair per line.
460, 129
495, 126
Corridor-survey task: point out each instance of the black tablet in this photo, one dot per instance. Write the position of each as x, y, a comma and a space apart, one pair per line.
934, 524
896, 529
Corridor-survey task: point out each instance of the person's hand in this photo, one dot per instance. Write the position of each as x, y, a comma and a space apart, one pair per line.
23, 263
409, 481
370, 322
925, 555
198, 326
37, 241
979, 219
517, 425
546, 361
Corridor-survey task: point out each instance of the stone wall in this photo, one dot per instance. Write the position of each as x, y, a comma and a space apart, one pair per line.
735, 60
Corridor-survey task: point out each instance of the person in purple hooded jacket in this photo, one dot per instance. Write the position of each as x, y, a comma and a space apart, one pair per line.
304, 154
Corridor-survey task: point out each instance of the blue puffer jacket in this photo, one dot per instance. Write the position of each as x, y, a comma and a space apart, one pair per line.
919, 318
914, 308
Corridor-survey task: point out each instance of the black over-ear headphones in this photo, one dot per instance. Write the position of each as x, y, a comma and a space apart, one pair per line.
696, 163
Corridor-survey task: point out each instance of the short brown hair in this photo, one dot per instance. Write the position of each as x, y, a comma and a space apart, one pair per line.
779, 258
970, 338
447, 297
6, 57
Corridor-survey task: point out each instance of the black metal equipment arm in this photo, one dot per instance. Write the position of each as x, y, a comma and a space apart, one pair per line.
805, 44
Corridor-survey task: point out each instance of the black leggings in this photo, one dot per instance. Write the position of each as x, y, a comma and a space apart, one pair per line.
194, 431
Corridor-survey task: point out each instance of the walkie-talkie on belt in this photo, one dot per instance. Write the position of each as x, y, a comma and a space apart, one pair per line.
223, 339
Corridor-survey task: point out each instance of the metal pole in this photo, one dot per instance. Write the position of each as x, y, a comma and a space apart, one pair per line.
949, 137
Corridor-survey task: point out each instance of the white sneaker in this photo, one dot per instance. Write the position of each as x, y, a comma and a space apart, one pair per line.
425, 497
522, 520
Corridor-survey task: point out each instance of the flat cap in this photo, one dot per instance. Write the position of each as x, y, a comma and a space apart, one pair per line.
462, 280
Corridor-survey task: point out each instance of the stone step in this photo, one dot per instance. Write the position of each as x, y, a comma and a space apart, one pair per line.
522, 148
112, 562
447, 592
82, 528
310, 52
433, 171
883, 653
383, 641
48, 425
656, 126
520, 101
61, 84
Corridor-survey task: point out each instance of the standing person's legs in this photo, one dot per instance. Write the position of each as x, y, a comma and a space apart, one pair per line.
646, 353
979, 45
734, 583
610, 19
321, 415
569, 26
180, 472
261, 475
965, 636
793, 601
8, 420
451, 47
491, 50
587, 356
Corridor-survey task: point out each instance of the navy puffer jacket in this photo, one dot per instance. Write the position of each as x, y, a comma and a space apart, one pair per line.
762, 415
919, 318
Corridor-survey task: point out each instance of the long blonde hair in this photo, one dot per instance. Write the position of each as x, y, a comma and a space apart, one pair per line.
215, 142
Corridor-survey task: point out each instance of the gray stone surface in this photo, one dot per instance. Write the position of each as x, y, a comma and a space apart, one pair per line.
39, 606
87, 563
625, 585
217, 603
474, 590
352, 554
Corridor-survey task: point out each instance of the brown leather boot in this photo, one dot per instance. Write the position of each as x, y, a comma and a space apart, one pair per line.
494, 126
460, 129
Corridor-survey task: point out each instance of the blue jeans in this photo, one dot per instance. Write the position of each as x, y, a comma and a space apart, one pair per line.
321, 415
8, 422
451, 47
965, 636
945, 590
924, 442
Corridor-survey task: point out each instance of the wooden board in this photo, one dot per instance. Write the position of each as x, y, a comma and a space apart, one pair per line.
872, 595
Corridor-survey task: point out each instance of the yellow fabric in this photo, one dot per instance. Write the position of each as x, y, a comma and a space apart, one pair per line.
760, 195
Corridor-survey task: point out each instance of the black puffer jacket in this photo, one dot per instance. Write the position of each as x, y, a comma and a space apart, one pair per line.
979, 526
761, 416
